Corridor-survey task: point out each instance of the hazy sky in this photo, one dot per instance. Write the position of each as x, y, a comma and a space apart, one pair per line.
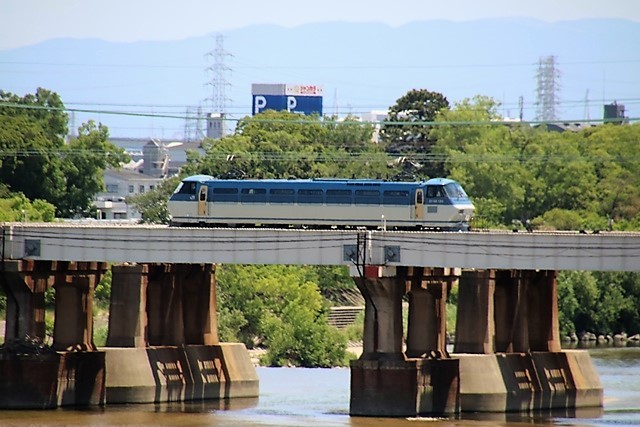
26, 22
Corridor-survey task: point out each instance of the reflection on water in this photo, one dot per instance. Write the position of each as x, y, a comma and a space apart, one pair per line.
320, 397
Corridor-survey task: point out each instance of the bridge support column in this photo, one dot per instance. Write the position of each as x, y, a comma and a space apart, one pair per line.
200, 306
74, 285
181, 304
25, 283
427, 325
128, 306
383, 381
33, 375
475, 327
382, 338
526, 311
512, 331
169, 315
530, 372
542, 296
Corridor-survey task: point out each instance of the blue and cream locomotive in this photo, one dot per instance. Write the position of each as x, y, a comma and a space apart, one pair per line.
437, 204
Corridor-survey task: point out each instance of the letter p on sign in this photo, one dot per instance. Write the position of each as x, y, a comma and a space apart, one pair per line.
260, 103
292, 103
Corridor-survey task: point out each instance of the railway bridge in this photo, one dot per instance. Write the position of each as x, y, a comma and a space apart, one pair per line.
163, 343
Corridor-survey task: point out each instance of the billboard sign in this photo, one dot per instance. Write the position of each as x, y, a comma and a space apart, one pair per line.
295, 104
302, 99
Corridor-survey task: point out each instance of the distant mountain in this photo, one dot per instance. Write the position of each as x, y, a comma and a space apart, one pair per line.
363, 67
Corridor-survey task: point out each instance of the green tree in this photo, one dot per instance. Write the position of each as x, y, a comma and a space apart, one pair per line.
152, 205
103, 290
405, 130
617, 309
85, 159
614, 153
30, 162
19, 208
44, 108
487, 159
276, 307
599, 302
284, 145
36, 161
515, 172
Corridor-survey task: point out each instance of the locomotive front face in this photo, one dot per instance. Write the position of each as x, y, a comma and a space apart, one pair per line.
447, 206
185, 205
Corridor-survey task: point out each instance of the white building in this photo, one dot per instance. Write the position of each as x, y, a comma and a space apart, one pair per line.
137, 177
375, 117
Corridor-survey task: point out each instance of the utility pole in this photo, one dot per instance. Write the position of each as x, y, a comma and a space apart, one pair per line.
520, 107
587, 113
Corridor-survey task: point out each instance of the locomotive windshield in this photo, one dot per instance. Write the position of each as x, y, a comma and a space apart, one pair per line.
455, 191
186, 188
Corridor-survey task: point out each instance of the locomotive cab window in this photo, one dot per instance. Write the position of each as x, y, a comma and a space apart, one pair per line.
434, 191
454, 190
187, 188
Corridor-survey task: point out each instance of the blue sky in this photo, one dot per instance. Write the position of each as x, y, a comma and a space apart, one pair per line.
26, 22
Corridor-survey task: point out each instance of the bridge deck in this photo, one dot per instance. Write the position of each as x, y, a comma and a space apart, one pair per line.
605, 251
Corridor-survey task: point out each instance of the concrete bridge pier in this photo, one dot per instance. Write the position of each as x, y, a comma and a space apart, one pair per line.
427, 290
384, 382
33, 375
163, 338
162, 343
74, 285
507, 341
25, 283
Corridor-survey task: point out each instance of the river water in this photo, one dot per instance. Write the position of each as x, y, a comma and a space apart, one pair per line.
320, 397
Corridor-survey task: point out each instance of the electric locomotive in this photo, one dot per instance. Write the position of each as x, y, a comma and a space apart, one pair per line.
436, 204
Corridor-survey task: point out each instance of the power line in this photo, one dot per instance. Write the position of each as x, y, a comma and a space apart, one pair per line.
365, 157
309, 122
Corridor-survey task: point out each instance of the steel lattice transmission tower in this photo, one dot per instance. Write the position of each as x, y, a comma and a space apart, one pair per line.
193, 124
547, 89
218, 100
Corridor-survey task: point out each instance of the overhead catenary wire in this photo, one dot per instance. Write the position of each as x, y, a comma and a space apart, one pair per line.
325, 121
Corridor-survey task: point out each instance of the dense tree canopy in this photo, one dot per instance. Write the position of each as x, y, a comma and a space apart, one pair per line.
38, 163
284, 145
514, 172
30, 161
16, 208
280, 307
85, 158
405, 130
